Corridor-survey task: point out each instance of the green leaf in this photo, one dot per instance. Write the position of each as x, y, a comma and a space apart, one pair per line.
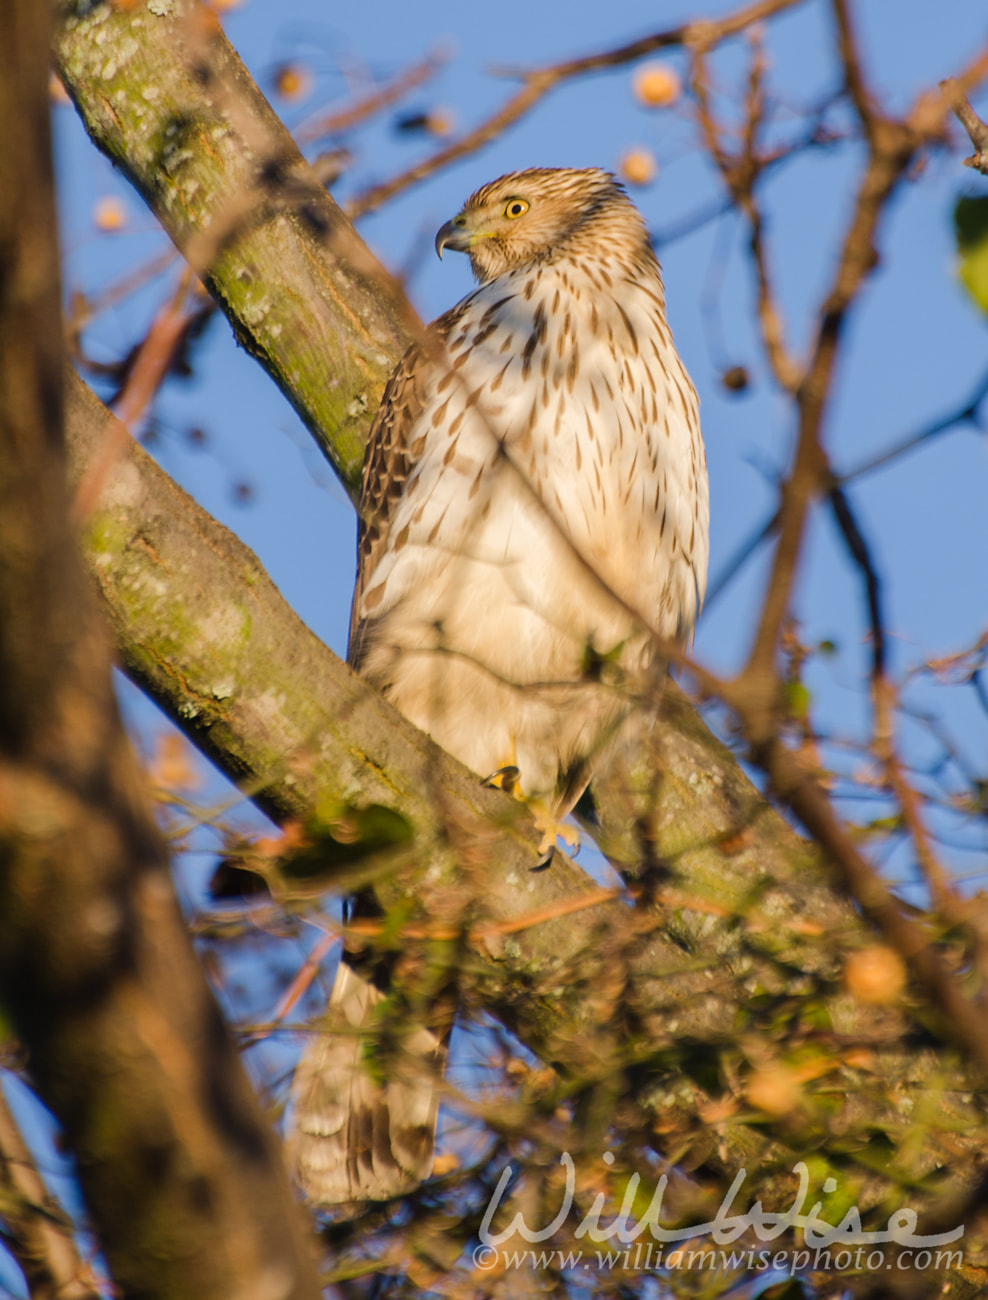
971, 229
798, 700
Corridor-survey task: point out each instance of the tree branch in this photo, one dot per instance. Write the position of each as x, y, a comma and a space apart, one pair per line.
538, 82
98, 980
225, 179
35, 1229
892, 146
976, 129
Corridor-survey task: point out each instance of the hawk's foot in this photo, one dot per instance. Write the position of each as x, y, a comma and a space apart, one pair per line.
552, 829
505, 778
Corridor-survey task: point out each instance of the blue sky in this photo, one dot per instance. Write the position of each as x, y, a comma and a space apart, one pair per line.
914, 349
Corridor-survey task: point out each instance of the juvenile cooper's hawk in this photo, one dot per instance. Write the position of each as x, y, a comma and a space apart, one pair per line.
534, 508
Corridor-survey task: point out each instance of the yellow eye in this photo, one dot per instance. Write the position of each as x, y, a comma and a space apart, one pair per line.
515, 208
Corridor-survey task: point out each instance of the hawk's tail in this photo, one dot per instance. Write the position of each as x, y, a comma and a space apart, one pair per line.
359, 1136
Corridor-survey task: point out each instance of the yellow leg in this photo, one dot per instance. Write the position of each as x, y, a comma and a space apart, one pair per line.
506, 777
552, 828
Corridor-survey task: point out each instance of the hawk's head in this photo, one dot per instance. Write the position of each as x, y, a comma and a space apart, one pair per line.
531, 216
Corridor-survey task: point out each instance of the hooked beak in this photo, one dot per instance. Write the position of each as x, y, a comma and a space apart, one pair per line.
454, 235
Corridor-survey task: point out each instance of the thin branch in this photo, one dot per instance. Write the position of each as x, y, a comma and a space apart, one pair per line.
980, 688
976, 129
745, 550
942, 893
340, 120
967, 413
35, 1230
740, 174
892, 146
537, 83
689, 224
84, 309
151, 364
861, 555
963, 1019
851, 63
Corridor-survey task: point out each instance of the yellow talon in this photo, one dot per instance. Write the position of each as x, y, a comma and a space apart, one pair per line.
507, 777
552, 828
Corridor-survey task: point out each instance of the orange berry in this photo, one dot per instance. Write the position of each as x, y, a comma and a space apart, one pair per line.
875, 974
657, 85
444, 1163
109, 214
440, 122
172, 765
292, 81
638, 167
775, 1089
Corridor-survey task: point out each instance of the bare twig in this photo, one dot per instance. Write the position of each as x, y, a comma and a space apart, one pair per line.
937, 879
335, 123
892, 146
35, 1230
740, 173
968, 413
86, 308
154, 357
977, 129
941, 892
537, 83
758, 535
911, 939
861, 555
851, 63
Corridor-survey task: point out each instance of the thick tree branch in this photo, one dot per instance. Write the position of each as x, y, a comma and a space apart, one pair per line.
98, 980
228, 184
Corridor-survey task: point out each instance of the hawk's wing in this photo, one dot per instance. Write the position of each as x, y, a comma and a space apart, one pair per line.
390, 458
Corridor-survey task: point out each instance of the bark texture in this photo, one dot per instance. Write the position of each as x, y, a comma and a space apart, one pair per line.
124, 1043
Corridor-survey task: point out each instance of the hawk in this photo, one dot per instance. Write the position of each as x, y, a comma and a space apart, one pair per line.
534, 517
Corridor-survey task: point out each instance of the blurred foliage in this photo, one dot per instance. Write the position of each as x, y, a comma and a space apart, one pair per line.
971, 227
